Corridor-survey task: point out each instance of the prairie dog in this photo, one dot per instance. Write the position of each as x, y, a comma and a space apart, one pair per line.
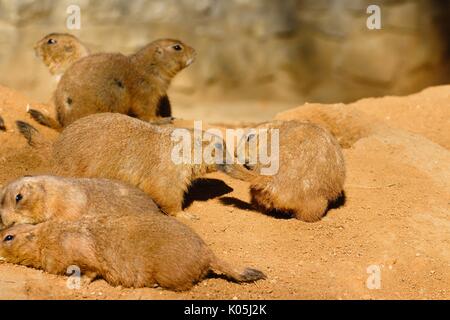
115, 146
32, 200
135, 85
58, 51
127, 250
311, 171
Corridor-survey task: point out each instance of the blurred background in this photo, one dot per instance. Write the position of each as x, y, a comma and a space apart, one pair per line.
255, 57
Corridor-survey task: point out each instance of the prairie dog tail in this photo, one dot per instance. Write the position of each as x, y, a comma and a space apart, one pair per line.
238, 171
40, 118
2, 124
247, 275
33, 136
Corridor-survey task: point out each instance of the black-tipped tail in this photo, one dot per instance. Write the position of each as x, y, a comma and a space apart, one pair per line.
251, 275
248, 275
42, 119
2, 124
39, 117
27, 131
35, 139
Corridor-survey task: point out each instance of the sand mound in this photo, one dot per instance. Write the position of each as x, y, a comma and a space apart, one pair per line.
426, 113
347, 124
15, 158
395, 218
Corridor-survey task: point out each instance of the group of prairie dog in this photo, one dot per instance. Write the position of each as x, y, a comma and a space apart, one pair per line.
106, 228
112, 143
135, 85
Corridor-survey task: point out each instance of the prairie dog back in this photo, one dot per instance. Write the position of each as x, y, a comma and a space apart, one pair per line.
311, 171
115, 146
98, 83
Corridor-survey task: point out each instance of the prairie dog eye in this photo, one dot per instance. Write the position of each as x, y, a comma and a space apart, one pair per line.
19, 197
251, 137
51, 41
9, 237
177, 47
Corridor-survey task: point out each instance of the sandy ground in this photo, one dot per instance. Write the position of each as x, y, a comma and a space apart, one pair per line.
395, 218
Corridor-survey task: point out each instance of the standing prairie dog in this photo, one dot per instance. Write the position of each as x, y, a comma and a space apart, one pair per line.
127, 245
115, 146
58, 51
311, 171
135, 85
32, 200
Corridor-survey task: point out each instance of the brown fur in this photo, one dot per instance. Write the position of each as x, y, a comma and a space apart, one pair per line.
121, 245
58, 51
135, 85
47, 197
311, 172
116, 146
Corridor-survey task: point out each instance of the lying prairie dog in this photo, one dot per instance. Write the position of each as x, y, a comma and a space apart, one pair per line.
32, 200
125, 249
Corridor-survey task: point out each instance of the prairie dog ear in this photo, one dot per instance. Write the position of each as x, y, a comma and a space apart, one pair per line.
30, 235
28, 190
159, 52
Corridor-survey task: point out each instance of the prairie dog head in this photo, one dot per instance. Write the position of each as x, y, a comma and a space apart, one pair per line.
258, 147
32, 200
22, 201
168, 55
59, 50
18, 243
